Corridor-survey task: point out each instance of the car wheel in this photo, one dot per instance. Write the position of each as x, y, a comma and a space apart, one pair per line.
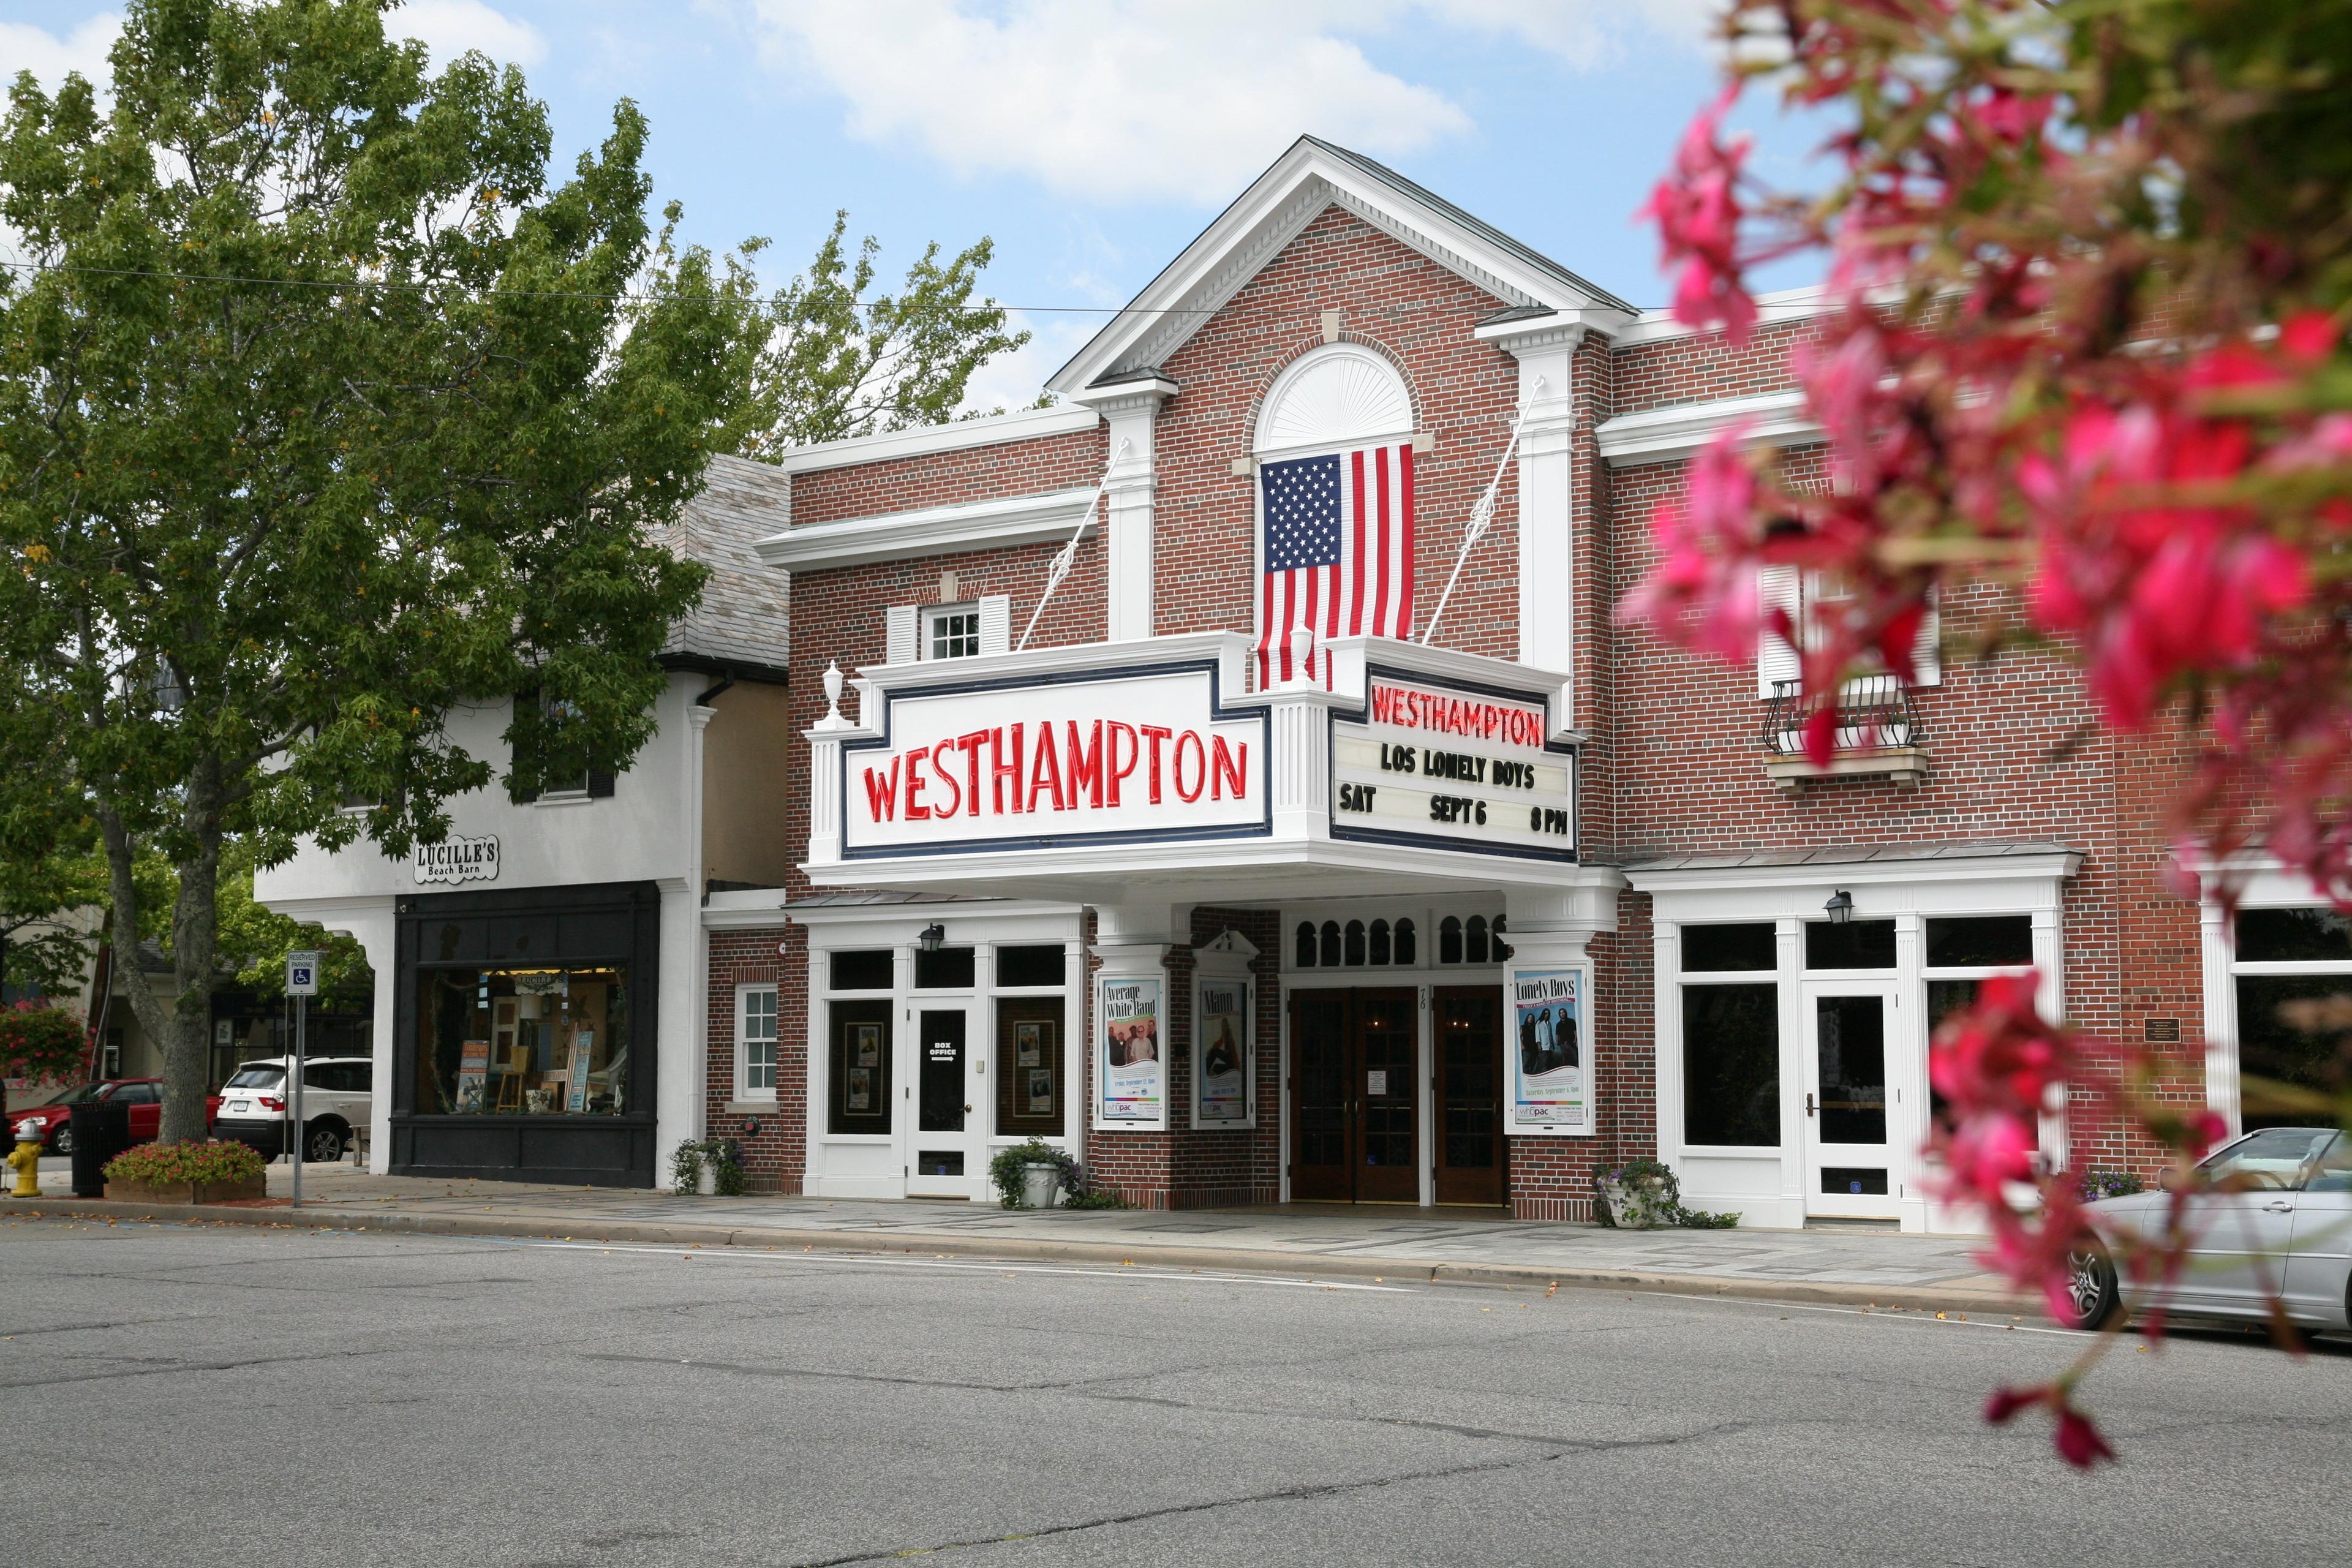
2093, 1299
61, 1141
322, 1144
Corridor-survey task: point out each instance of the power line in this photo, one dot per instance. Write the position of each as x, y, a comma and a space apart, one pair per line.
1114, 311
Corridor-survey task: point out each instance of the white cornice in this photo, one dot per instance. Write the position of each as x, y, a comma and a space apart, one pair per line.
1655, 434
1028, 425
933, 531
2034, 863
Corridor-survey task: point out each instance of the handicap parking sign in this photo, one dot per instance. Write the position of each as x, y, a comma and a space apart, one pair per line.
302, 974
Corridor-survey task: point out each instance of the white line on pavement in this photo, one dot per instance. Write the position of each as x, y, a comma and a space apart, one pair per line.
833, 1258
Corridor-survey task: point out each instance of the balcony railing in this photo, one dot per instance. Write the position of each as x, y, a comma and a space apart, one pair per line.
1878, 733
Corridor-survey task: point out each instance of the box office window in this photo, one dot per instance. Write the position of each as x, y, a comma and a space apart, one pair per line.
1731, 1065
517, 1041
1030, 1066
860, 968
1979, 941
1042, 964
1856, 944
1748, 946
859, 1048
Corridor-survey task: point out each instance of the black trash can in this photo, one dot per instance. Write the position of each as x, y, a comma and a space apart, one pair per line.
101, 1129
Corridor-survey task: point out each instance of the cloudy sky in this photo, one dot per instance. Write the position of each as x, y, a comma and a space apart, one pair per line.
1091, 138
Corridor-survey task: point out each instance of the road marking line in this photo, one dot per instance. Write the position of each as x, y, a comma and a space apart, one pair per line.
982, 1267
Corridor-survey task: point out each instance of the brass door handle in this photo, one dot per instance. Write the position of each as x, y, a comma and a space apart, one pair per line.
967, 1111
1809, 1105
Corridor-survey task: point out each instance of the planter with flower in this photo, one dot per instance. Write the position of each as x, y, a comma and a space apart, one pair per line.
1643, 1194
185, 1173
710, 1167
1035, 1174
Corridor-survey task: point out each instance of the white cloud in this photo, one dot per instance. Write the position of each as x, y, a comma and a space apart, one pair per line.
450, 27
1111, 100
24, 48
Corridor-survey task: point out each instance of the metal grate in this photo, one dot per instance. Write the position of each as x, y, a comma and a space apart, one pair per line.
1874, 714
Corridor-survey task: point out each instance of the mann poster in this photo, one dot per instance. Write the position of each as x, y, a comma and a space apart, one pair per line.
1224, 1057
1550, 1089
1133, 1078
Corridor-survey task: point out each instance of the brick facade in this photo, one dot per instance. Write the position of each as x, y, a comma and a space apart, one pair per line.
1673, 763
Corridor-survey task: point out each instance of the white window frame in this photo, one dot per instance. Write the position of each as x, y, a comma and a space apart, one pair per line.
933, 615
744, 1089
2264, 884
1789, 588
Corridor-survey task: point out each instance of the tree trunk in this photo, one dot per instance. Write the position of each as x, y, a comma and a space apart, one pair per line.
185, 1029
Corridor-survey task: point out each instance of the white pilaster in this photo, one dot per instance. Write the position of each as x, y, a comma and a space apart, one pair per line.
1546, 352
1130, 408
1131, 943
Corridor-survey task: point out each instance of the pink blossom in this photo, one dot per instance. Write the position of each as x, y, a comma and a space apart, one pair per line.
2078, 1439
1703, 591
1698, 210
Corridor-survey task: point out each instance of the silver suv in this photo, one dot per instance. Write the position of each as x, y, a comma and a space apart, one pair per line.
257, 1105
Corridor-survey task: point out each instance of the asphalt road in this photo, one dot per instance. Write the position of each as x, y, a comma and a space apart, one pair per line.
249, 1398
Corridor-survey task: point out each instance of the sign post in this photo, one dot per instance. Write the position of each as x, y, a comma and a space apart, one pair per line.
302, 984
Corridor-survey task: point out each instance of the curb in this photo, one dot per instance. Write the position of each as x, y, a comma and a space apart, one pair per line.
1950, 1297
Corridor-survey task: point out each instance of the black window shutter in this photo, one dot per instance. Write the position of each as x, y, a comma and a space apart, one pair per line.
600, 784
530, 697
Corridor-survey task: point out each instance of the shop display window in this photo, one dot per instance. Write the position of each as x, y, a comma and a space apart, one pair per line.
1029, 1067
524, 1042
859, 1063
1731, 1066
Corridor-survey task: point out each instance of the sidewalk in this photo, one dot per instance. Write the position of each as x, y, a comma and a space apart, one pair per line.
1856, 1267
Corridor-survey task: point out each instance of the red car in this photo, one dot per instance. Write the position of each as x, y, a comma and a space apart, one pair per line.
143, 1095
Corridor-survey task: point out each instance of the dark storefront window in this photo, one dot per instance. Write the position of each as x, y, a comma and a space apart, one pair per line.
861, 969
523, 1042
1042, 964
1856, 944
1749, 946
2294, 936
1979, 941
1731, 1066
860, 1066
2282, 1064
945, 969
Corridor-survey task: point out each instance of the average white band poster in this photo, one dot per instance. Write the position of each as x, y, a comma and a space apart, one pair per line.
1131, 1075
1551, 1089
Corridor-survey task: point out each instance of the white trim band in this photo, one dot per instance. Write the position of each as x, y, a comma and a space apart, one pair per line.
932, 531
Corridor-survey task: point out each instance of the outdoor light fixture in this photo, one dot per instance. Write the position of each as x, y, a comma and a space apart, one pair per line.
1840, 909
934, 936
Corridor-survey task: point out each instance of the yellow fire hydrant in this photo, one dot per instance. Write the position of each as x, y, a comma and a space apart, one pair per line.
25, 1159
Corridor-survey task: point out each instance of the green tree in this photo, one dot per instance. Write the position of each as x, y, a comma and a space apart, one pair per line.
323, 407
838, 361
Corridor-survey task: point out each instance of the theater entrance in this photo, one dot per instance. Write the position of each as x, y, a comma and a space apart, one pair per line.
1360, 1084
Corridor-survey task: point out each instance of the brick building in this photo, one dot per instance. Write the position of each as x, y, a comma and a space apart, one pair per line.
1276, 853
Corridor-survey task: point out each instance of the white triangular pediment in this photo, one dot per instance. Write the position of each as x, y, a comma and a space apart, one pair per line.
1310, 177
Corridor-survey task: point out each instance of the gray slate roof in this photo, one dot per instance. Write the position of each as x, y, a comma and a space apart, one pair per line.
745, 617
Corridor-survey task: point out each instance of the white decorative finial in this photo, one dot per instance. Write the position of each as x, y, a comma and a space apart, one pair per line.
1302, 653
833, 691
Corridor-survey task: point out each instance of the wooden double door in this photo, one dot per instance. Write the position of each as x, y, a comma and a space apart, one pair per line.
1356, 1091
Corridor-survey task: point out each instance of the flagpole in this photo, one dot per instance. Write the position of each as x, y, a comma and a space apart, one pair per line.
1482, 516
1060, 567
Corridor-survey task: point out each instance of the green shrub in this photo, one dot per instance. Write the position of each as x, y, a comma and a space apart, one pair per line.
168, 1165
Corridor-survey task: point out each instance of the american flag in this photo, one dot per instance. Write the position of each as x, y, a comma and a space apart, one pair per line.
1339, 553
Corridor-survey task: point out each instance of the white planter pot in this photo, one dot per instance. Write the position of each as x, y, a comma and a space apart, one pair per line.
1041, 1186
1636, 1207
706, 1180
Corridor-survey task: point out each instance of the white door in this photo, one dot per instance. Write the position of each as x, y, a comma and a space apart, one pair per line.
1857, 1060
946, 1141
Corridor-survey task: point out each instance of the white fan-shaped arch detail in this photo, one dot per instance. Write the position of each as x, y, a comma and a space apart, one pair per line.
1332, 396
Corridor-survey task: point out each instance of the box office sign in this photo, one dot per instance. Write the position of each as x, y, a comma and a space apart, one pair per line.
1550, 1077
1131, 1072
1465, 770
1143, 755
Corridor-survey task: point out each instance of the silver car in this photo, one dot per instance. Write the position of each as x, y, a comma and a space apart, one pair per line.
2285, 1231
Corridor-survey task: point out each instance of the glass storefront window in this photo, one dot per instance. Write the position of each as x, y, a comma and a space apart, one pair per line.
1731, 1066
523, 1042
2289, 1059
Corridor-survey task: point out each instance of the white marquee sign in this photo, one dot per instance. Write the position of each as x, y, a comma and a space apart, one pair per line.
1146, 755
456, 860
1461, 769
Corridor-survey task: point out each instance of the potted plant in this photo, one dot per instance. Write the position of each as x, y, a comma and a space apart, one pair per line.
708, 1167
211, 1172
1643, 1194
1033, 1174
